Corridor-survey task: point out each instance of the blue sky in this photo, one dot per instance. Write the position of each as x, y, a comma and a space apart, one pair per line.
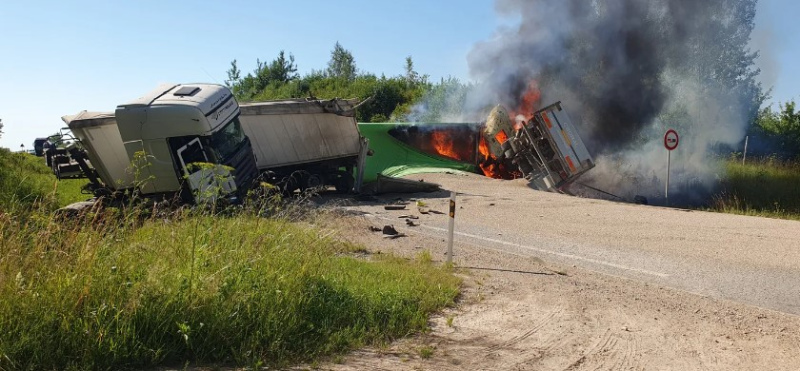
59, 57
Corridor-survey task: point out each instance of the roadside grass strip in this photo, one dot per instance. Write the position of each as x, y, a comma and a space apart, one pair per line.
765, 187
201, 289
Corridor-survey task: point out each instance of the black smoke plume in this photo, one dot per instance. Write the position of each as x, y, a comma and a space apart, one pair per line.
611, 57
627, 70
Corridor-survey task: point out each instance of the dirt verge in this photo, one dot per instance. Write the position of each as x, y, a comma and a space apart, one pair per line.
524, 313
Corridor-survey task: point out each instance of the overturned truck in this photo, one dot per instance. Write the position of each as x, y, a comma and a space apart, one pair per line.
546, 149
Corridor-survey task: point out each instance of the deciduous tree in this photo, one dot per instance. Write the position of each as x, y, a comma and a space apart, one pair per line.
782, 126
342, 64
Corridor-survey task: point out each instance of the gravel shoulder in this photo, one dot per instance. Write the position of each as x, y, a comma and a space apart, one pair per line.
529, 311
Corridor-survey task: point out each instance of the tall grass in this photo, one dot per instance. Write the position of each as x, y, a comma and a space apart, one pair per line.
764, 187
115, 290
25, 181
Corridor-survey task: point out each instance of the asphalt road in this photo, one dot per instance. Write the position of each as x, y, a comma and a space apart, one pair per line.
751, 260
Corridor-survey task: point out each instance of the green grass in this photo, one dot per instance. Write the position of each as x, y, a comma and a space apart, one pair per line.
118, 290
25, 180
69, 190
765, 187
203, 289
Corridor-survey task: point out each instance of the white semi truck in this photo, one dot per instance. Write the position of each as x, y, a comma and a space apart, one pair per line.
195, 141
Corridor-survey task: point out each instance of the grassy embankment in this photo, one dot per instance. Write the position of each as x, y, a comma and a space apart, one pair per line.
25, 180
765, 187
111, 292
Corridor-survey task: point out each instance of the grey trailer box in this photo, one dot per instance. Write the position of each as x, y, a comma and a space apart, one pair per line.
299, 131
99, 134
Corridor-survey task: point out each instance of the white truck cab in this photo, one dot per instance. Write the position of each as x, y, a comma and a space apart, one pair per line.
187, 137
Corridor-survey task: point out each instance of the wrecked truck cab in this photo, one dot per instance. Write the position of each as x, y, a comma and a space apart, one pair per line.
546, 149
168, 131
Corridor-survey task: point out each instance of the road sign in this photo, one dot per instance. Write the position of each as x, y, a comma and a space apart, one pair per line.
671, 139
670, 142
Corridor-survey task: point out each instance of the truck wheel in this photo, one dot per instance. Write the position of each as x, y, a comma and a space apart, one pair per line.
313, 181
345, 183
288, 185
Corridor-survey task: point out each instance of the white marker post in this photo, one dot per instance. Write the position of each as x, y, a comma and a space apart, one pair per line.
451, 227
670, 143
744, 154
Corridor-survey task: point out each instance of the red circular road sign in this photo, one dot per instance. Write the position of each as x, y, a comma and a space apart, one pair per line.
671, 139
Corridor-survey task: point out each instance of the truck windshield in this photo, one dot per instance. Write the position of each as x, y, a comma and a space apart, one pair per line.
227, 141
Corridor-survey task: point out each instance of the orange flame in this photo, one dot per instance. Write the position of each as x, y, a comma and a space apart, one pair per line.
493, 167
528, 102
501, 137
444, 146
488, 167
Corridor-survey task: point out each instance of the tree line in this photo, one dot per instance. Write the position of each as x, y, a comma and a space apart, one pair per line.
777, 131
392, 97
412, 96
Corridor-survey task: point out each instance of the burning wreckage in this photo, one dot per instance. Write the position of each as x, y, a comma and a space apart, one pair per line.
545, 149
297, 144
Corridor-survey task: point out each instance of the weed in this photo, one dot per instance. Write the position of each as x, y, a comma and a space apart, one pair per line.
426, 351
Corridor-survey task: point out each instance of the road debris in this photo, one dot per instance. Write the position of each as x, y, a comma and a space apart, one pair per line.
389, 229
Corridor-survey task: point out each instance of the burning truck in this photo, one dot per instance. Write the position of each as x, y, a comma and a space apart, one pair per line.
295, 144
545, 149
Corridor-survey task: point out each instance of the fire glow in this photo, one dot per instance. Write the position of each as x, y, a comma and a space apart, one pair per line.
444, 145
491, 166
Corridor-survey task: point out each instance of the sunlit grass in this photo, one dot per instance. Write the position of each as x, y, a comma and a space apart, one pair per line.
123, 289
765, 187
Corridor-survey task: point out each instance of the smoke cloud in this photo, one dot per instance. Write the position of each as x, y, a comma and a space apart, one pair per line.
627, 70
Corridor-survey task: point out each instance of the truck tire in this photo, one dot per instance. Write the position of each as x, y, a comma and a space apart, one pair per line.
344, 182
313, 181
288, 185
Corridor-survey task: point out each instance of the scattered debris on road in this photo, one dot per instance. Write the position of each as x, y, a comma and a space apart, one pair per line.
389, 229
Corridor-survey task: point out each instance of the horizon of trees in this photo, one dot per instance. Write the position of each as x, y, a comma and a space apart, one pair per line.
413, 97
392, 98
278, 79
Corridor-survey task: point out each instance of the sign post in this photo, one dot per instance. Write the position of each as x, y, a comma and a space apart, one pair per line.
451, 227
670, 143
744, 154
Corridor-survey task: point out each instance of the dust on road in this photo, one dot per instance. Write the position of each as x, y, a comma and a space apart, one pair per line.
522, 310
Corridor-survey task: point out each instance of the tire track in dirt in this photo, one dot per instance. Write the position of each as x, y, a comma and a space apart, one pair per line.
516, 340
523, 345
595, 347
611, 351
